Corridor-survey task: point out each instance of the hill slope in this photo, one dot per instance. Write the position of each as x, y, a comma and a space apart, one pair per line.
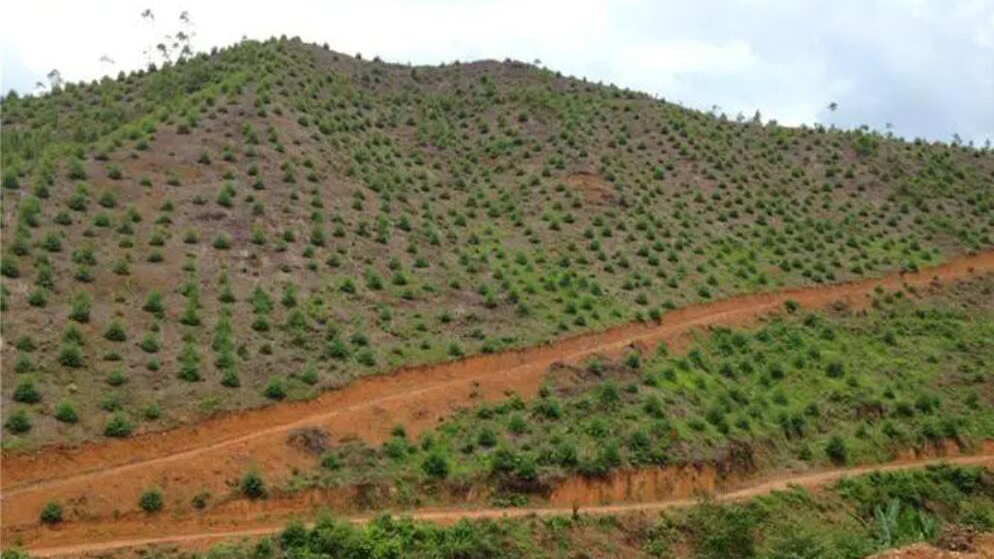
275, 219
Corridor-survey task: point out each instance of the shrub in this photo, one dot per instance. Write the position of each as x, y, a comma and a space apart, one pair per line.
503, 460
18, 422
189, 368
487, 438
723, 531
76, 171
337, 349
222, 241
23, 364
10, 180
150, 501
66, 413
8, 269
252, 485
608, 395
116, 377
835, 449
309, 374
25, 343
275, 390
153, 304
835, 369
37, 298
366, 358
435, 465
51, 513
152, 411
80, 308
115, 332
71, 356
118, 426
26, 393
229, 379
633, 359
150, 343
199, 500
330, 461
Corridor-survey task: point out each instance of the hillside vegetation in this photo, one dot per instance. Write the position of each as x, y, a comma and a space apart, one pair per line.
275, 219
812, 389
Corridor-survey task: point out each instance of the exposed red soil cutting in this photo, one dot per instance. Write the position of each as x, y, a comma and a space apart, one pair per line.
593, 187
258, 519
100, 480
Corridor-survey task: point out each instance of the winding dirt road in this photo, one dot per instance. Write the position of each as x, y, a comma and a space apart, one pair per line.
100, 482
448, 516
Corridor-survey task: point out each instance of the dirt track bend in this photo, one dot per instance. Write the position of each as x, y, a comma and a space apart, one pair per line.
102, 479
448, 516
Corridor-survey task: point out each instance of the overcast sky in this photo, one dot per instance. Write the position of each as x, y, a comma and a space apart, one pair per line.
926, 67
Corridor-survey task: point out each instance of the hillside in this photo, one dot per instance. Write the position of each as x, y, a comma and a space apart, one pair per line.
275, 219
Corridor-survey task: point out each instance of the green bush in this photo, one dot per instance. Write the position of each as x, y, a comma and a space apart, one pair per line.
719, 532
199, 500
117, 426
10, 181
75, 170
150, 500
80, 308
51, 513
835, 449
115, 332
435, 465
487, 438
835, 369
18, 422
252, 485
153, 304
66, 413
275, 389
330, 461
222, 241
26, 393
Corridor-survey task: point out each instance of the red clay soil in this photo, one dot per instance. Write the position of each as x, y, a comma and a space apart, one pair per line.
258, 519
103, 480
